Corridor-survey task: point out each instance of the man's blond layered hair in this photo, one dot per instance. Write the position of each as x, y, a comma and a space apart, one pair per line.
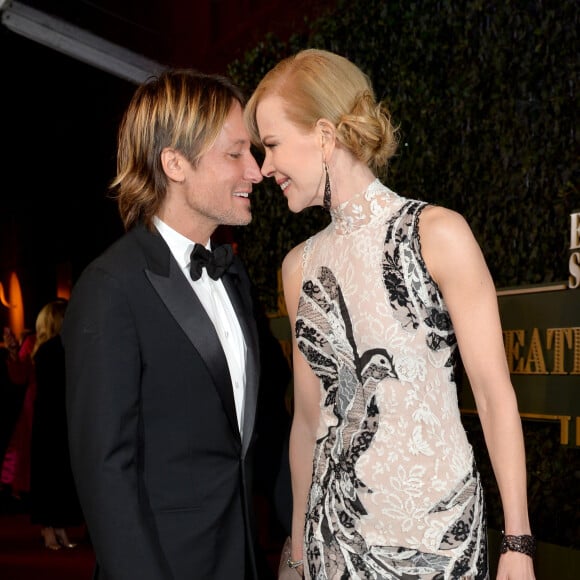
181, 109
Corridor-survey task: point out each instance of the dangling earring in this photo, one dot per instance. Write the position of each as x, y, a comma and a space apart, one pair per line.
327, 192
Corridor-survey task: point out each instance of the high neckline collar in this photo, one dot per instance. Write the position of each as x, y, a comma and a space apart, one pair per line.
360, 209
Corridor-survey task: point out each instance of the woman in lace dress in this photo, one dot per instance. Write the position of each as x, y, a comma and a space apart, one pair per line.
381, 302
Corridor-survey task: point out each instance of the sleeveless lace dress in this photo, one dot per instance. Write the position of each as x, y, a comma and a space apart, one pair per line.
395, 491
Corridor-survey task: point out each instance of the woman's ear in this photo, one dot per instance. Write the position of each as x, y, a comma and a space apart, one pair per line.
327, 134
173, 164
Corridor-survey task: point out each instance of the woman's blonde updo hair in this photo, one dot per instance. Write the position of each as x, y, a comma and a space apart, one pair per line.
316, 84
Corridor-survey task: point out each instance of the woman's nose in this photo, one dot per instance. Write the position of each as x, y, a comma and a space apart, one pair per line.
267, 167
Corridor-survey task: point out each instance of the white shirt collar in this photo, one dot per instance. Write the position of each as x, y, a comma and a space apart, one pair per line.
180, 246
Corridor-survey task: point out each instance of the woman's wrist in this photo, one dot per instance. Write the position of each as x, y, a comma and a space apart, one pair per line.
297, 565
294, 563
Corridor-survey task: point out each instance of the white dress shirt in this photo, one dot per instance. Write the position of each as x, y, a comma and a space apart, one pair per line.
214, 298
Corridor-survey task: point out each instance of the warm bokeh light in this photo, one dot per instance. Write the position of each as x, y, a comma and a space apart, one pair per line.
14, 304
63, 280
3, 299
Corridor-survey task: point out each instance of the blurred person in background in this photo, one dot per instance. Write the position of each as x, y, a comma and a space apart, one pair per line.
15, 469
54, 502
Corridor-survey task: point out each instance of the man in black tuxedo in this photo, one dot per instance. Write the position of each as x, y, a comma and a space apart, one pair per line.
162, 359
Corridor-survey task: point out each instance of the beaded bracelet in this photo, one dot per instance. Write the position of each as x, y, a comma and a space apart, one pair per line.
524, 544
294, 563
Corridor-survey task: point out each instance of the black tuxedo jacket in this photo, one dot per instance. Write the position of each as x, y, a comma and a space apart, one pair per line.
161, 469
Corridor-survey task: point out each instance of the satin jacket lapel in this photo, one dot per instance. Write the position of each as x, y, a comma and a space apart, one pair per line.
183, 304
243, 310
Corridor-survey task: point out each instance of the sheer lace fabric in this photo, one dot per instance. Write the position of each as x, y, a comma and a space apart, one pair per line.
395, 491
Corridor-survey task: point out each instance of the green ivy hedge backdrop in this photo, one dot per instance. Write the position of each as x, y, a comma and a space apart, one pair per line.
485, 95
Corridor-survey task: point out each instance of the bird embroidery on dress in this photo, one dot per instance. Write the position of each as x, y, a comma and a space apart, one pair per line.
325, 337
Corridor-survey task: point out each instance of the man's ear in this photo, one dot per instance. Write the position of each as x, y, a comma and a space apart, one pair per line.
173, 164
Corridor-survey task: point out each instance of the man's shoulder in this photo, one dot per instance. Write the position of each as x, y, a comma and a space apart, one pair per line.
119, 260
125, 251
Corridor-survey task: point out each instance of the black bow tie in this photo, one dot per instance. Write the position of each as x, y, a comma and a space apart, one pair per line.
216, 262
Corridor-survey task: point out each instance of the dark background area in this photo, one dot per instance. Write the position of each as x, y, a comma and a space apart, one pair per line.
60, 118
59, 146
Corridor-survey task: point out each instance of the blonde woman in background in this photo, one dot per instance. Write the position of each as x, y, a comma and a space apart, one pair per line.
54, 503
